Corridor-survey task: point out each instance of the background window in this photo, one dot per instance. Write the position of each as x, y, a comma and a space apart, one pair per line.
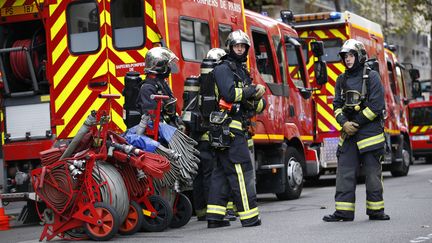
83, 27
128, 23
195, 39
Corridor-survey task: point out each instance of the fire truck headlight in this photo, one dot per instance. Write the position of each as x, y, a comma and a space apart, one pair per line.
420, 138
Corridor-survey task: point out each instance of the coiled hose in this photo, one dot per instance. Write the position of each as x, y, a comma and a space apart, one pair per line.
114, 192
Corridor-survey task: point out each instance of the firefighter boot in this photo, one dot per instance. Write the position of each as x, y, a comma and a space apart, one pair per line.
217, 223
379, 216
230, 215
335, 218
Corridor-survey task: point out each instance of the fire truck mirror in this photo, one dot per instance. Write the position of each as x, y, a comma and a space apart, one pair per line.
317, 48
414, 74
320, 69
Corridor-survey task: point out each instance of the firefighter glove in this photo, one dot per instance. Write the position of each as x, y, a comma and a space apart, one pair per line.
180, 124
350, 127
248, 92
260, 90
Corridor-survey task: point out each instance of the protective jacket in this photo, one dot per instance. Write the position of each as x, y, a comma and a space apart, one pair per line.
233, 84
145, 103
370, 135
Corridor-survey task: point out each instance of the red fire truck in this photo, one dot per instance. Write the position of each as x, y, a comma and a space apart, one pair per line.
333, 28
420, 127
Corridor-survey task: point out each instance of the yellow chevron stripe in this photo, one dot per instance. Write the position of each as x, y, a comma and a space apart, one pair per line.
327, 116
59, 49
322, 127
58, 25
337, 33
115, 116
424, 129
18, 3
269, 136
152, 35
150, 11
52, 8
321, 34
414, 129
76, 79
59, 75
95, 106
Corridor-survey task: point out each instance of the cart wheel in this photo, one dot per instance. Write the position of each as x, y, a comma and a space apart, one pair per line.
133, 221
182, 211
163, 215
108, 225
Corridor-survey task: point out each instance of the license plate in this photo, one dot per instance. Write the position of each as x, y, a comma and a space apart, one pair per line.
18, 10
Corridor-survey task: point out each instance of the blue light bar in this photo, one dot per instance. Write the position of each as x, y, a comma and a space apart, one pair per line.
335, 15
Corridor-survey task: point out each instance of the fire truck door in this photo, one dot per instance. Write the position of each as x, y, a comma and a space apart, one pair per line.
77, 62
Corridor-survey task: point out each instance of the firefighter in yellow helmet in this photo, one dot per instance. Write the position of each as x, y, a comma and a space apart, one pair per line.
228, 132
358, 108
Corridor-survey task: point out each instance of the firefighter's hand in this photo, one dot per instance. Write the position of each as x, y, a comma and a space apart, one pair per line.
350, 127
260, 90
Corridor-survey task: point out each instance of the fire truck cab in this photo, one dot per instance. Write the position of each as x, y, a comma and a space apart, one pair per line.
333, 28
420, 128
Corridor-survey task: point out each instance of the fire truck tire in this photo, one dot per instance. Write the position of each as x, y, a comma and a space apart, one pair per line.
108, 226
294, 175
428, 159
401, 169
133, 221
163, 217
182, 211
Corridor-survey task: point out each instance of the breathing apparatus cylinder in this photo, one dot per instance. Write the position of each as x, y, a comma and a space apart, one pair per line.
208, 97
131, 115
191, 114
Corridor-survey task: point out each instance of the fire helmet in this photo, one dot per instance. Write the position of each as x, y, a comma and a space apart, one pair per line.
216, 54
237, 37
355, 47
160, 60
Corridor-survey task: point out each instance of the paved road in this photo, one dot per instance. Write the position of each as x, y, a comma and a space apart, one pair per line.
408, 201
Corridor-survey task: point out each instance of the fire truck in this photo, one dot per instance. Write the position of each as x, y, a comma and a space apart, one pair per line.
56, 57
333, 28
420, 124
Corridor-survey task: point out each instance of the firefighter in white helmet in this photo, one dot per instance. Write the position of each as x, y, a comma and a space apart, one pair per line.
358, 108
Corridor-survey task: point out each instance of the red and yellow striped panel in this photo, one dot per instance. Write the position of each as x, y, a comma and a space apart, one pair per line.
326, 121
16, 3
72, 98
419, 129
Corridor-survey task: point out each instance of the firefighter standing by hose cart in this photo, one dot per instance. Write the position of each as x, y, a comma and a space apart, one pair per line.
228, 131
358, 107
199, 130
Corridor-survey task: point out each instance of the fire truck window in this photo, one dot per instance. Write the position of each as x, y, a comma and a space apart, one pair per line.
224, 31
128, 23
264, 58
281, 57
331, 50
83, 27
421, 116
400, 80
294, 59
195, 39
392, 81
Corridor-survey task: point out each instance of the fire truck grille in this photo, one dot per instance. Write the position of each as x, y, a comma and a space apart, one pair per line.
328, 153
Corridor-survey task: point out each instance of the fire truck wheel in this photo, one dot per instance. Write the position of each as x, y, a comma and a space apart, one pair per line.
428, 159
163, 216
182, 211
294, 175
133, 221
108, 224
401, 169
